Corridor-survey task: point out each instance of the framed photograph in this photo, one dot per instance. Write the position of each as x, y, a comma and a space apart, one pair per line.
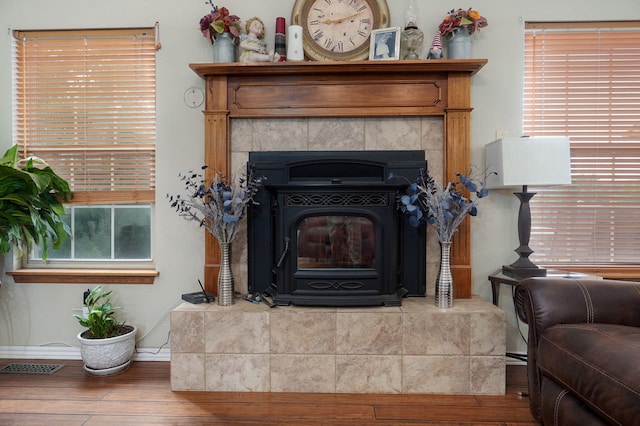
385, 44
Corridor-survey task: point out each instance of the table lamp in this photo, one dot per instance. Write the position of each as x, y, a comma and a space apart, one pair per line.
534, 161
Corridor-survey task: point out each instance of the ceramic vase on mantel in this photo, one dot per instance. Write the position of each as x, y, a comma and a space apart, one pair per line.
225, 277
224, 49
459, 45
444, 282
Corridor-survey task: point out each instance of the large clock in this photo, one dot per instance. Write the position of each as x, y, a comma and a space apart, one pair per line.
339, 30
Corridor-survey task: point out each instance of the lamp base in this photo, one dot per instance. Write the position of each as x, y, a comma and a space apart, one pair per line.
520, 272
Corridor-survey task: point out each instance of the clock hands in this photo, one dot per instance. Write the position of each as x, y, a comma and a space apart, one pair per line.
340, 20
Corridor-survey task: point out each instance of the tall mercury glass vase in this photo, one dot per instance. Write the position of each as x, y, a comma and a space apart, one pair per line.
459, 45
224, 49
444, 282
225, 277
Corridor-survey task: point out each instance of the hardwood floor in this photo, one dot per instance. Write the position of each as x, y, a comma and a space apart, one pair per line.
141, 395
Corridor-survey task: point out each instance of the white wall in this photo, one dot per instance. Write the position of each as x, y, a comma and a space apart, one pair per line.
33, 315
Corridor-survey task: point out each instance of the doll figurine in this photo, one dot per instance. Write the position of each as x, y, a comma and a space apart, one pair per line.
254, 49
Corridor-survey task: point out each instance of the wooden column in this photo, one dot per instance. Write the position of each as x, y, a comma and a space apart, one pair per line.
343, 89
217, 155
457, 128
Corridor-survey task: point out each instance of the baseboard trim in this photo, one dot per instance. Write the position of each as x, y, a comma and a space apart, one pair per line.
57, 352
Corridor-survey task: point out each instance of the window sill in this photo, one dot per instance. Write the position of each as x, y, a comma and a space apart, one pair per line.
84, 276
614, 272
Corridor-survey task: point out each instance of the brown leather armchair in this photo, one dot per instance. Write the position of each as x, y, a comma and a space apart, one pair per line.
583, 350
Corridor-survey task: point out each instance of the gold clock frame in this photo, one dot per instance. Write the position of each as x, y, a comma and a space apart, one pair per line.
299, 13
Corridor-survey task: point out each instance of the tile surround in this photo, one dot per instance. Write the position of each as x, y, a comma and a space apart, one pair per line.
413, 348
336, 134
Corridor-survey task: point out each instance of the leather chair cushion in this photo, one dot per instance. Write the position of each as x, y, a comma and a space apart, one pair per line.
561, 407
599, 363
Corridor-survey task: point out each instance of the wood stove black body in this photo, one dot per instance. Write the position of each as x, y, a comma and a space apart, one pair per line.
327, 231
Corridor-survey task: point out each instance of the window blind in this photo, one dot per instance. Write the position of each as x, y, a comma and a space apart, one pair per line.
582, 80
85, 102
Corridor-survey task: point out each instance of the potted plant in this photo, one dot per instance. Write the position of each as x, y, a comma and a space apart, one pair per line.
107, 345
31, 210
222, 29
457, 27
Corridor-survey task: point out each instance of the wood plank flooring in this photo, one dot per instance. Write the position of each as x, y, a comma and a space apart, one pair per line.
142, 396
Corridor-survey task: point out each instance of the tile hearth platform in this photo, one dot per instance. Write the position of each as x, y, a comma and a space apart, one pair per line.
413, 348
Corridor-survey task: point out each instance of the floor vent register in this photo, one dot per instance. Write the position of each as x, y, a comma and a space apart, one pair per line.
31, 368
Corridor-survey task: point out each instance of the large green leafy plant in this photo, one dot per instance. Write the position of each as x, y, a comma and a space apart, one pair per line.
100, 320
31, 210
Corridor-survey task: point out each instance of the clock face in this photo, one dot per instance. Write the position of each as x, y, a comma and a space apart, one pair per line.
339, 29
340, 26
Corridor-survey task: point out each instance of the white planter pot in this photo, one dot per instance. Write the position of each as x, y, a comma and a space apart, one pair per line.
108, 356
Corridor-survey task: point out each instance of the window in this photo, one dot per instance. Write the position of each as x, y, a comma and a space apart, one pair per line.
105, 233
582, 80
84, 100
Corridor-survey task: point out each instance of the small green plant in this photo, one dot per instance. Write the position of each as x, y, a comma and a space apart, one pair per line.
100, 321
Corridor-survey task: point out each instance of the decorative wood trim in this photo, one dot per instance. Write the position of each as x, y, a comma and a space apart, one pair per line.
343, 89
84, 276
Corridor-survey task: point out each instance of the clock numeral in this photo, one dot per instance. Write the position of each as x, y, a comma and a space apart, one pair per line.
318, 10
318, 35
328, 2
362, 33
351, 41
365, 21
361, 8
340, 46
328, 43
314, 22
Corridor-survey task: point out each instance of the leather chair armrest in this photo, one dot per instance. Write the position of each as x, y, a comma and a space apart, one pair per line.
545, 302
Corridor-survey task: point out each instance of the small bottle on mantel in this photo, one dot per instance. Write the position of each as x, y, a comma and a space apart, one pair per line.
280, 40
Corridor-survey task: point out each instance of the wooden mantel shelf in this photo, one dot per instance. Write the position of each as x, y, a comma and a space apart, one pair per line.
470, 66
343, 89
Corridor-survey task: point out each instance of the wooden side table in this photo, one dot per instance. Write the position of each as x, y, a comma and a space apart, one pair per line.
498, 278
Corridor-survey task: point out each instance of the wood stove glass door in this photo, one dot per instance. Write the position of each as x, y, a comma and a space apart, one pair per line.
333, 241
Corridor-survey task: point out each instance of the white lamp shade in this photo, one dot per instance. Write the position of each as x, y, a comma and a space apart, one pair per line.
535, 161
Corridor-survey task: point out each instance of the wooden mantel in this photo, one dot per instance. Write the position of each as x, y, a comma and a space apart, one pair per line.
343, 89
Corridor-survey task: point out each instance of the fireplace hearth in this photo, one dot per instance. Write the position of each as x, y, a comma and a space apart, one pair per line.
327, 231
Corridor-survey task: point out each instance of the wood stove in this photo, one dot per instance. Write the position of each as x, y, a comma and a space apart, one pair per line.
327, 231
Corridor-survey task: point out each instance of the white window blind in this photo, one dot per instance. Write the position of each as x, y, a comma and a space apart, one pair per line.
582, 80
85, 102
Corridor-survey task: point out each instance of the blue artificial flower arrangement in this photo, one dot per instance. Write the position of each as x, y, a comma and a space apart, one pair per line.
218, 206
425, 201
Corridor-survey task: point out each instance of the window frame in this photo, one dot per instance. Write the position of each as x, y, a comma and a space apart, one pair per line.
618, 270
109, 271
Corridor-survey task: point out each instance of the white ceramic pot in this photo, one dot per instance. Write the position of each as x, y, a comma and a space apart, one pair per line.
108, 356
